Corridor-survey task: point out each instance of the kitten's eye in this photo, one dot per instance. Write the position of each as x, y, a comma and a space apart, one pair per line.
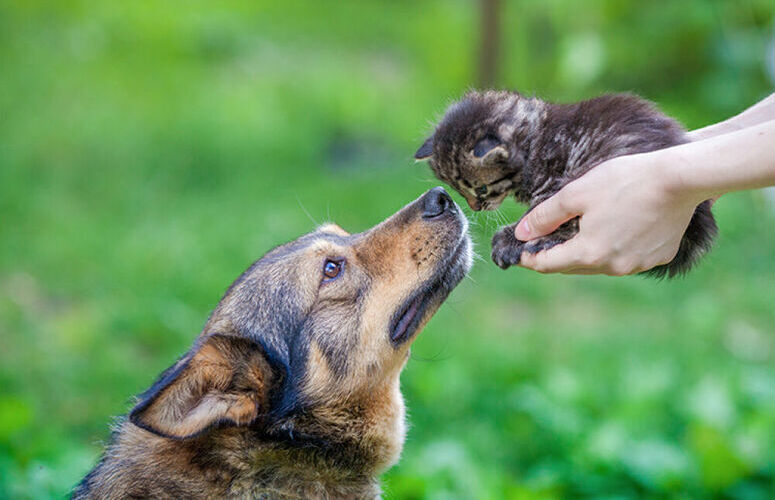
481, 191
332, 268
485, 145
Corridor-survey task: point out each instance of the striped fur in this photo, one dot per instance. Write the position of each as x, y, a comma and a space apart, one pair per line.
493, 144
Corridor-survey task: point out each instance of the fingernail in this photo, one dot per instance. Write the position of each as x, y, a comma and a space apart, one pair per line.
522, 232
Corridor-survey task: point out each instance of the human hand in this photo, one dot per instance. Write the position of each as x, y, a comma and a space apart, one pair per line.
633, 211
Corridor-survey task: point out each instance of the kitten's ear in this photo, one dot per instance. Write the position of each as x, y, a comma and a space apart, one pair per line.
491, 150
426, 150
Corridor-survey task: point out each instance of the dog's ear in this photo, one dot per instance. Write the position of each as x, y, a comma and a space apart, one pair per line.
222, 380
426, 150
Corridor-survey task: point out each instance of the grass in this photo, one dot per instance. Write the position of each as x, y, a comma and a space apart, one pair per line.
150, 152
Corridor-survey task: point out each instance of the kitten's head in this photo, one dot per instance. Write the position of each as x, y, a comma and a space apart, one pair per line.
479, 147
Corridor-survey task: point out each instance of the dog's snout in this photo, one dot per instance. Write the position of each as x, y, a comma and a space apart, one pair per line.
435, 202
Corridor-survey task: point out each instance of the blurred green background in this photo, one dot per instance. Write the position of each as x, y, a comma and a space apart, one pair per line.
150, 151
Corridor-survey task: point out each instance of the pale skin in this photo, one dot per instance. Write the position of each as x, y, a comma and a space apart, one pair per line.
635, 209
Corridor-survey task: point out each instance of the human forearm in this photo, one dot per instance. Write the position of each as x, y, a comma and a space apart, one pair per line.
760, 112
744, 159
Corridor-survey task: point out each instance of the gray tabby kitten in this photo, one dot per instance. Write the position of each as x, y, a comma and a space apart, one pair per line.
496, 143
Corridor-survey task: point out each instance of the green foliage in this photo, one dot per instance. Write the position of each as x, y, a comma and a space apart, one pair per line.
149, 151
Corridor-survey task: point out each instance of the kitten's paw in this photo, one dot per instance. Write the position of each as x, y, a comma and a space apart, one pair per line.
543, 243
506, 248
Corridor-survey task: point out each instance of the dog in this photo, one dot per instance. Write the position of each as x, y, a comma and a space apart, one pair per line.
291, 390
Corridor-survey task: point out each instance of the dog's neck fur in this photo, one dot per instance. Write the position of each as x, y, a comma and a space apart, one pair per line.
293, 459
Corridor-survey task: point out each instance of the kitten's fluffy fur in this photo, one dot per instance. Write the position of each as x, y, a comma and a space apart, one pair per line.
495, 143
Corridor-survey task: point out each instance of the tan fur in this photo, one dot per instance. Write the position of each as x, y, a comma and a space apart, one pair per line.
291, 391
333, 229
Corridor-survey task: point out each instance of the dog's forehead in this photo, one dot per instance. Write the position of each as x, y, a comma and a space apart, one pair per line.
331, 228
323, 242
323, 238
330, 235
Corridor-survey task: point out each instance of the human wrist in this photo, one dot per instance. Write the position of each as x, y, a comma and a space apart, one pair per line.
724, 127
677, 176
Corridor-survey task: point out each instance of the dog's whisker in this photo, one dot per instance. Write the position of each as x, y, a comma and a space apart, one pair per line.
471, 279
435, 358
305, 211
426, 180
473, 222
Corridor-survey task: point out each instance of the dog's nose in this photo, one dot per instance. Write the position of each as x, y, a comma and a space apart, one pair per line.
435, 202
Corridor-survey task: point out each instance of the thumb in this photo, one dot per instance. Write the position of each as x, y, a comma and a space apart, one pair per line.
547, 216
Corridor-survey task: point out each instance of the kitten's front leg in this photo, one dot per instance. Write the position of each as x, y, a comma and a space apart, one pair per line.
507, 249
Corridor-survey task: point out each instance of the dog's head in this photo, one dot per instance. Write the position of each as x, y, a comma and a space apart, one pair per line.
323, 322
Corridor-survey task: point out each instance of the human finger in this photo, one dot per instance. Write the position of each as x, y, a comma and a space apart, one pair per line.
548, 216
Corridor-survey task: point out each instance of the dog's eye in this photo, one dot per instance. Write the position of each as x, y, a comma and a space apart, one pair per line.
481, 191
332, 269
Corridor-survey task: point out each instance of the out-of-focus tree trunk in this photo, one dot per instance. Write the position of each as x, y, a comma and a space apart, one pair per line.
489, 45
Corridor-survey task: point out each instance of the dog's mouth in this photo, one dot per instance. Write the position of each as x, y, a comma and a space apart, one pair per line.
406, 322
430, 296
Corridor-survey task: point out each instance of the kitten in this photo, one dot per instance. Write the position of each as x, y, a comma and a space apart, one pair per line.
496, 143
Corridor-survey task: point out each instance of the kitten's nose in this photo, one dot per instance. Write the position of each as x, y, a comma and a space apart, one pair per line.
435, 202
474, 204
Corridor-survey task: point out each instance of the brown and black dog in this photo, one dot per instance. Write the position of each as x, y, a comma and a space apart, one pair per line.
291, 389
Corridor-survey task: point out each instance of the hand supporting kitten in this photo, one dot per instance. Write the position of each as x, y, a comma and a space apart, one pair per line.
495, 143
507, 249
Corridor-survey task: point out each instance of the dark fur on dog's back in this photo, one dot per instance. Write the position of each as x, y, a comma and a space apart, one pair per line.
291, 391
491, 144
